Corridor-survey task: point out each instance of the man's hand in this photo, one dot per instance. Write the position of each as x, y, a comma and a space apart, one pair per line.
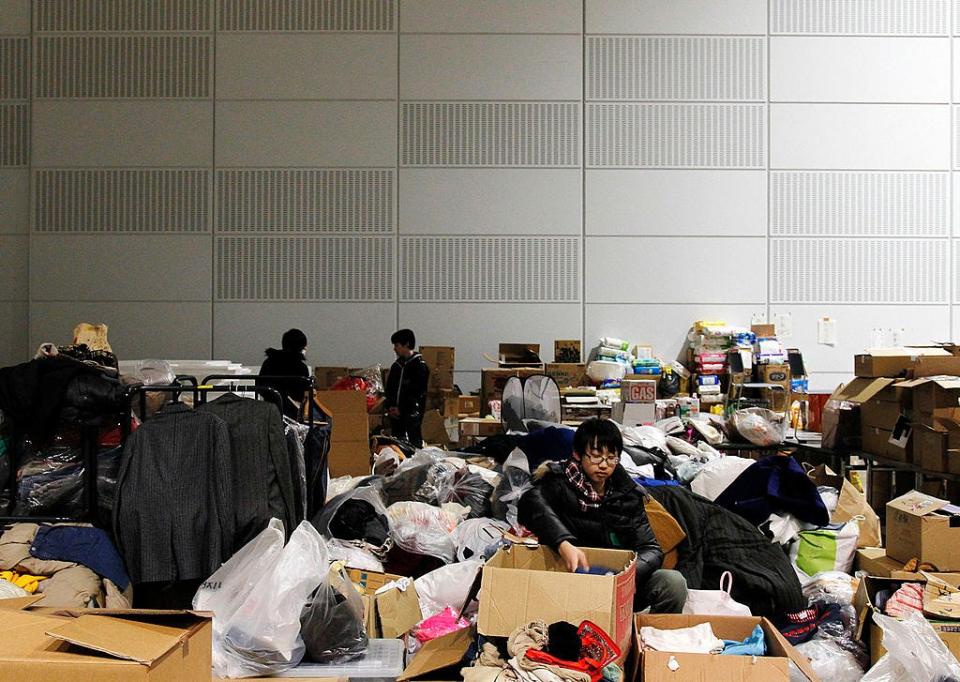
394, 412
573, 557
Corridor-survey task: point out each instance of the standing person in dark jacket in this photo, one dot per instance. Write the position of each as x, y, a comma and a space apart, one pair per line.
590, 501
289, 361
406, 394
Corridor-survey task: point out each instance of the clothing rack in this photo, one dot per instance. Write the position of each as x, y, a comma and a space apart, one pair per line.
309, 383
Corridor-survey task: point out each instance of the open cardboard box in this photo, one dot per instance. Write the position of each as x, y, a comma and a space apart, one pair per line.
389, 614
892, 362
916, 528
932, 396
654, 666
103, 644
875, 563
524, 583
841, 413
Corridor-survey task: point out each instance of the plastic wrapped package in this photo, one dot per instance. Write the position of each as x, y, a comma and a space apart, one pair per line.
357, 515
50, 481
915, 653
446, 587
332, 623
263, 637
830, 661
423, 529
760, 426
833, 587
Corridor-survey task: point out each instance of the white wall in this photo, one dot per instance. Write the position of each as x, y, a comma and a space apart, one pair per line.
481, 171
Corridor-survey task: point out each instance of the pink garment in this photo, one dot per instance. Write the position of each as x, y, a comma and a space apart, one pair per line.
439, 625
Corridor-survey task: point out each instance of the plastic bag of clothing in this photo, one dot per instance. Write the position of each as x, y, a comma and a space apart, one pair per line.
832, 587
354, 555
717, 474
516, 481
830, 661
50, 480
463, 486
760, 426
420, 528
474, 536
332, 623
447, 586
342, 484
831, 548
263, 637
357, 515
915, 653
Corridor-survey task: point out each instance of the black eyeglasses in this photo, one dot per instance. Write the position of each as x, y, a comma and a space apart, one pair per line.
598, 458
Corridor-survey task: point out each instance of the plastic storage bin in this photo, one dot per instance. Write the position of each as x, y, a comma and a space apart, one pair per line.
383, 662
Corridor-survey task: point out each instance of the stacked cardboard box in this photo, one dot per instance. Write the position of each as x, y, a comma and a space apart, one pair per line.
441, 360
920, 526
350, 435
567, 374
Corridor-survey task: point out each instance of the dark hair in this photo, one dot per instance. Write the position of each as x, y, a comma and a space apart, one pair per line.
404, 337
294, 340
601, 434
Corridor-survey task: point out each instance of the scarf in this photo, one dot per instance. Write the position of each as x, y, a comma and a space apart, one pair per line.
586, 495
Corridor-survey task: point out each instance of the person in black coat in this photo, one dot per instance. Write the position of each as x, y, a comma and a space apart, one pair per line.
289, 361
590, 500
406, 392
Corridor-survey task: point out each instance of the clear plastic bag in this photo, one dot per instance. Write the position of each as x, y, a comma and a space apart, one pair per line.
830, 661
420, 528
50, 480
514, 483
332, 623
473, 536
461, 486
257, 598
915, 653
760, 426
331, 527
354, 555
446, 587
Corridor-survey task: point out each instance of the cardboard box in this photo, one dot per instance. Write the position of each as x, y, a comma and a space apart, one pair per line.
915, 529
567, 351
877, 441
350, 431
929, 449
437, 429
567, 374
439, 379
461, 406
841, 413
935, 365
104, 644
891, 362
439, 358
764, 330
478, 427
932, 396
440, 659
493, 379
885, 407
875, 562
325, 377
870, 633
392, 613
654, 666
636, 388
634, 414
519, 355
778, 374
524, 583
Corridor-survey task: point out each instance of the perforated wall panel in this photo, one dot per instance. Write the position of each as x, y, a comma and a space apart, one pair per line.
863, 17
489, 269
123, 66
490, 134
122, 15
675, 68
304, 268
859, 271
860, 204
14, 68
14, 134
306, 15
330, 200
121, 200
682, 135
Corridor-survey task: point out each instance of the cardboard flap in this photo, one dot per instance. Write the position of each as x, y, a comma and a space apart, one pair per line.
440, 653
940, 598
19, 603
778, 641
861, 389
122, 639
917, 503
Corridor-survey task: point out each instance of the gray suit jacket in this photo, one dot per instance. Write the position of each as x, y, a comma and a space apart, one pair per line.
262, 481
174, 507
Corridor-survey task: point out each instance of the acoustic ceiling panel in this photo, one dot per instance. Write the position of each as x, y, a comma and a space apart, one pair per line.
155, 66
676, 135
860, 17
306, 15
675, 68
307, 200
490, 269
86, 16
865, 204
490, 134
859, 271
14, 68
121, 200
304, 268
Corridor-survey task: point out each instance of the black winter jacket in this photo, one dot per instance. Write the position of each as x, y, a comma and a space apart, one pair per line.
285, 363
407, 385
551, 510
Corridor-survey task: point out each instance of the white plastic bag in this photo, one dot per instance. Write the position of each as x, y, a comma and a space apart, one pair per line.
423, 529
446, 586
830, 661
915, 653
760, 426
830, 548
475, 535
715, 602
717, 474
260, 634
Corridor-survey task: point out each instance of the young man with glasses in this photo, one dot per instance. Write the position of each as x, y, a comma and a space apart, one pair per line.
591, 501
